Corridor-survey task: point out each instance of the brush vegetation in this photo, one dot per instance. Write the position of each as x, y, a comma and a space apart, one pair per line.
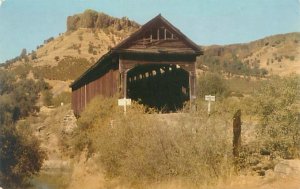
144, 146
20, 154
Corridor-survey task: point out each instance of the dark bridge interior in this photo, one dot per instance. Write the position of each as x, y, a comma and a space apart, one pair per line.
161, 86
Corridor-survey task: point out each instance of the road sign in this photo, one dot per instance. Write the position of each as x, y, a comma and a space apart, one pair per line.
210, 98
124, 102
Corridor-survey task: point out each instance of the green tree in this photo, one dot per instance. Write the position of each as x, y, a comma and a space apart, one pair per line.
20, 154
23, 53
213, 84
6, 82
20, 157
33, 55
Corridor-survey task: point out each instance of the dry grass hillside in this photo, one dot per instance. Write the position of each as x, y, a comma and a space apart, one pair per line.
278, 55
86, 43
63, 58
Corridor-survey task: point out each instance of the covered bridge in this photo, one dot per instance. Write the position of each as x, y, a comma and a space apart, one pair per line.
155, 66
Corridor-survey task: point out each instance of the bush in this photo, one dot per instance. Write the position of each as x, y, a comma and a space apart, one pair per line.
20, 153
142, 147
20, 157
276, 105
47, 97
56, 58
211, 84
66, 69
33, 55
64, 97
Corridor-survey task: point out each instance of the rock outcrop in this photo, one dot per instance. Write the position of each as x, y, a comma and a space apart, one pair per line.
94, 19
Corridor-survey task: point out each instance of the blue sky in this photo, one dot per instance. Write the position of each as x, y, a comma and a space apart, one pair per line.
26, 23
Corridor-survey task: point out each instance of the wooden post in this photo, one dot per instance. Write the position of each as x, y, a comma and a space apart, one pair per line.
84, 95
237, 133
192, 86
125, 89
123, 71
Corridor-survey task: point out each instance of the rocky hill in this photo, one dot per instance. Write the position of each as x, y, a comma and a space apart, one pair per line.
94, 19
63, 58
278, 54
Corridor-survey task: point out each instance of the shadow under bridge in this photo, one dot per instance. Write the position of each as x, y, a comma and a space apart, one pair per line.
161, 86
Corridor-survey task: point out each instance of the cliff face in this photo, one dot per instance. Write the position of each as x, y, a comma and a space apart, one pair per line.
99, 20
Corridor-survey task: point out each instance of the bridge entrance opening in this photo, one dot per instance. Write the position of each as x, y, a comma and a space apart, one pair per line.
161, 86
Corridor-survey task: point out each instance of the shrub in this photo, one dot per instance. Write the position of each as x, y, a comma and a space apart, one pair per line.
20, 153
56, 58
276, 106
211, 84
47, 97
91, 48
23, 53
22, 70
67, 68
20, 157
142, 147
33, 55
64, 97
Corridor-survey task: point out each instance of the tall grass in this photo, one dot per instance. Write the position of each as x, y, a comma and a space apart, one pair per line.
142, 147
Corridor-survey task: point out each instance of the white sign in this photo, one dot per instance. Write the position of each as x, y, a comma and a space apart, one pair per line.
210, 98
124, 102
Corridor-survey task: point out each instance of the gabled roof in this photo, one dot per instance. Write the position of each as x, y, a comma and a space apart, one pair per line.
146, 27
125, 43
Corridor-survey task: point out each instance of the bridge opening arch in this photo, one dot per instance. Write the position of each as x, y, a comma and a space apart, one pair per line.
164, 87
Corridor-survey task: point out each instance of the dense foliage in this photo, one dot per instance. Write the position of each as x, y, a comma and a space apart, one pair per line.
69, 68
212, 84
20, 153
231, 66
277, 106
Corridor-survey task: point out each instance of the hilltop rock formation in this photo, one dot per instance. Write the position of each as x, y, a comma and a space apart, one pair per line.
94, 19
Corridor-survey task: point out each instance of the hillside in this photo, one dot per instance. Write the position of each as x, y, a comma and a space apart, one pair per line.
278, 54
63, 58
91, 34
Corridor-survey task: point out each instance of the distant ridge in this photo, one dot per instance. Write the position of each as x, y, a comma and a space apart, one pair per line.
277, 54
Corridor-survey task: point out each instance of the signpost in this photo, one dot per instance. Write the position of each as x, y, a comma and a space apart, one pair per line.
124, 102
209, 98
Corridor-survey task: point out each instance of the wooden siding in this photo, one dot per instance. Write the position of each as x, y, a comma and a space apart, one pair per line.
106, 85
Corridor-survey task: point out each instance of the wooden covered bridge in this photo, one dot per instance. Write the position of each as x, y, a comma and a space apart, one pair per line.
155, 66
